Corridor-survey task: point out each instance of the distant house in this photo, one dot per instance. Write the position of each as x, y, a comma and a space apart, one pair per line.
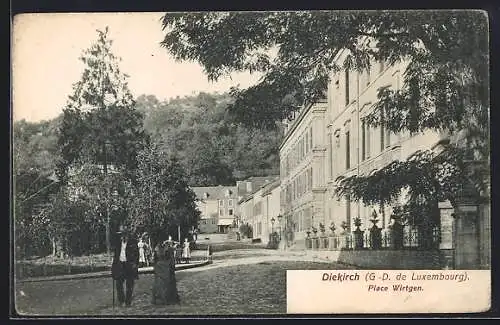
217, 205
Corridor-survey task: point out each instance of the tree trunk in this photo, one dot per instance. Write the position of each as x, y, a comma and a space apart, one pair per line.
53, 241
97, 241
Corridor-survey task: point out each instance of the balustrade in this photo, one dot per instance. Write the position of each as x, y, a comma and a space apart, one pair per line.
376, 238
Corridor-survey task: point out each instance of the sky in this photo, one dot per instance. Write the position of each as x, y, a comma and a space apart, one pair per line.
45, 64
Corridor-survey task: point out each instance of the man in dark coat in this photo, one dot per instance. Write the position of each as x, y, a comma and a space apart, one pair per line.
125, 265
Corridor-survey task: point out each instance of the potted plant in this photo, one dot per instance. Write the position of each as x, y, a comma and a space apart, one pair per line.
332, 241
315, 237
323, 237
332, 228
375, 232
322, 228
358, 233
344, 226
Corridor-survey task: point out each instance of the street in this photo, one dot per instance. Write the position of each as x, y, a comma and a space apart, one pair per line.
244, 282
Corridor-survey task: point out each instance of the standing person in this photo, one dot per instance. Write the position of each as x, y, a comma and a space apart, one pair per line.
125, 265
186, 251
165, 284
142, 252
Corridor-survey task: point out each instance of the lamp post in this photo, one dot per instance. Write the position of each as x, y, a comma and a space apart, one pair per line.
280, 217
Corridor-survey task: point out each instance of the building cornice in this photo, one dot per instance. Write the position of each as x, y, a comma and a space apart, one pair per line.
295, 124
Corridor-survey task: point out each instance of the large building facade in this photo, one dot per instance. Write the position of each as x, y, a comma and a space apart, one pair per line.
353, 147
330, 139
302, 155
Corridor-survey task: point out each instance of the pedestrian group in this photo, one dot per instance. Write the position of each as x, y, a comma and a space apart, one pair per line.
130, 254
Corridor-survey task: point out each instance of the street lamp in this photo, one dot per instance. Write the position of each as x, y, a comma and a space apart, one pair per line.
280, 217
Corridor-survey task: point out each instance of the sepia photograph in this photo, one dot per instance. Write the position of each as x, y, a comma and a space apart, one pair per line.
235, 163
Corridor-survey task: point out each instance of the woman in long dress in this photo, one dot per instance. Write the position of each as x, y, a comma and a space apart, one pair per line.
142, 252
186, 251
165, 285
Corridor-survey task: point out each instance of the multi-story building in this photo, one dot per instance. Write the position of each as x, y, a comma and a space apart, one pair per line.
260, 207
271, 209
302, 155
217, 205
330, 139
353, 147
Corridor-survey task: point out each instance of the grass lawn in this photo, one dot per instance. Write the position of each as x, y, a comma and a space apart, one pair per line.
241, 289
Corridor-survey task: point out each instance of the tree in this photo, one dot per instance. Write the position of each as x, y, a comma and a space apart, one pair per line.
34, 158
212, 149
445, 86
100, 122
162, 199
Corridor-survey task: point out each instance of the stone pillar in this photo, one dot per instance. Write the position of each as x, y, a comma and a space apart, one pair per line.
485, 236
446, 244
446, 212
467, 251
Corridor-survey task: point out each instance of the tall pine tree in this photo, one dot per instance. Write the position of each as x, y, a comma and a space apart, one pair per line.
100, 123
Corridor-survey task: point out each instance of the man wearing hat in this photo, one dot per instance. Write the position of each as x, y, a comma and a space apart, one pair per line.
125, 265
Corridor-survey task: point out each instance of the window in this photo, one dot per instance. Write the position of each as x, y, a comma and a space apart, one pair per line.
368, 140
299, 184
363, 140
307, 142
221, 212
230, 212
302, 146
382, 131
348, 213
347, 87
307, 216
330, 149
338, 155
221, 203
230, 203
311, 137
387, 137
347, 150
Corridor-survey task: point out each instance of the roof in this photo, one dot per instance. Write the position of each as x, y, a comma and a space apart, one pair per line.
257, 183
271, 186
215, 192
